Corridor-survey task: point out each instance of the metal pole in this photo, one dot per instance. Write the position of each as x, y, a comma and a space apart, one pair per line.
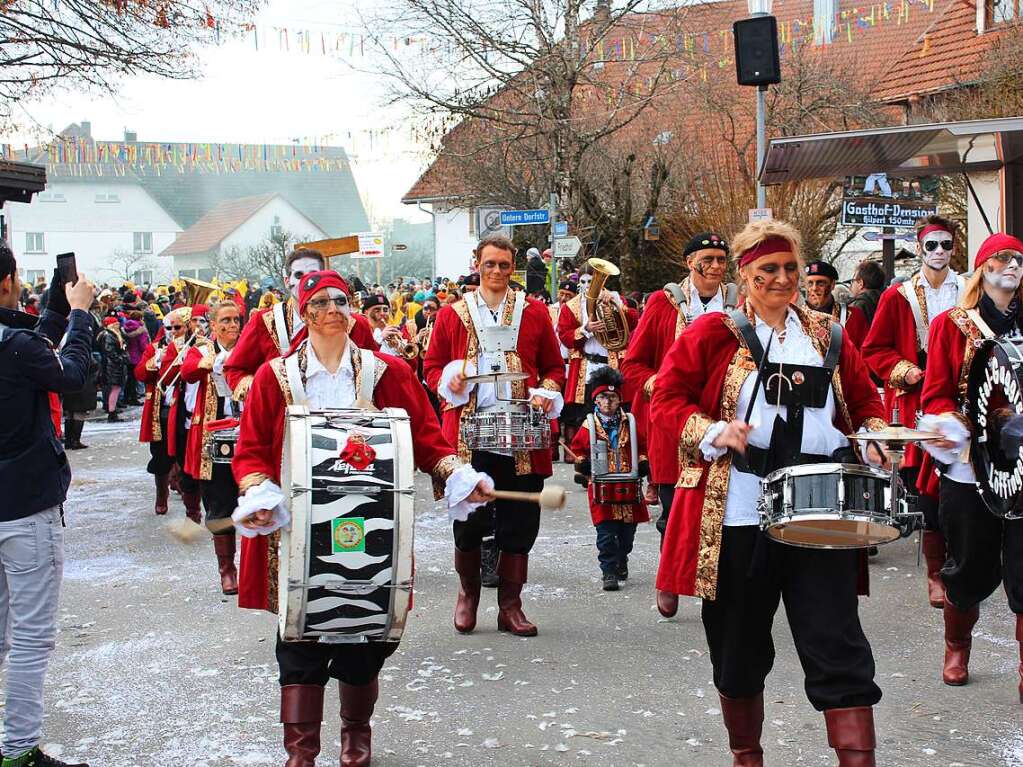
761, 143
888, 253
552, 272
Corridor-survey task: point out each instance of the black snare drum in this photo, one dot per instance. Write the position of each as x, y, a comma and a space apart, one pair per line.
222, 445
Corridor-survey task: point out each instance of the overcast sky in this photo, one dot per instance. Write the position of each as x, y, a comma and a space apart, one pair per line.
265, 96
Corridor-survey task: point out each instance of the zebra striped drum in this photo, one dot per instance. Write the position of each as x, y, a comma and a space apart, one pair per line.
346, 562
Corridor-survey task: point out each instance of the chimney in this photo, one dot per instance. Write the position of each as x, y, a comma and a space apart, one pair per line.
602, 15
86, 128
130, 136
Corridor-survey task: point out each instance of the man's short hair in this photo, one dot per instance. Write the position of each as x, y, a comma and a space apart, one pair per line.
499, 241
947, 224
870, 274
298, 253
8, 266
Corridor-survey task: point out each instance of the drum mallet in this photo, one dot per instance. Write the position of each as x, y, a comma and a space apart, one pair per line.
552, 497
187, 531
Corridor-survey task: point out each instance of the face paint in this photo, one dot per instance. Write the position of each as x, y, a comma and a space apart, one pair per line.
758, 282
818, 291
607, 403
328, 317
937, 258
1007, 278
300, 268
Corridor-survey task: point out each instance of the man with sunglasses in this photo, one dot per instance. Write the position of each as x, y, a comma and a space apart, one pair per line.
896, 352
501, 330
328, 374
203, 368
819, 280
270, 332
668, 312
984, 550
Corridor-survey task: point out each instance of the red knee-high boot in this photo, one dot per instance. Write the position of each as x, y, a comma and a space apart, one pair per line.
162, 493
193, 506
744, 720
1019, 638
467, 565
851, 734
511, 569
958, 641
357, 702
301, 714
934, 557
224, 547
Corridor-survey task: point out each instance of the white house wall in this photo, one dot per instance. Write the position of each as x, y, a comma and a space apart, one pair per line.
454, 241
94, 231
257, 228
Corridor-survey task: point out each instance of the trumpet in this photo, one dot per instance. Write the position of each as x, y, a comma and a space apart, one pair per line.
423, 336
195, 339
407, 349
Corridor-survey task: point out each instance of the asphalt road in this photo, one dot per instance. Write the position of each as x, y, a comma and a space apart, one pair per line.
154, 667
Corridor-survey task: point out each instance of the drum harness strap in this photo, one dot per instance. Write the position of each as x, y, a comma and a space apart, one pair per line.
364, 386
922, 327
497, 341
787, 435
600, 461
281, 326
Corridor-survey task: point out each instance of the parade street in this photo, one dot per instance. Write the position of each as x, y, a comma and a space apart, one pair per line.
155, 667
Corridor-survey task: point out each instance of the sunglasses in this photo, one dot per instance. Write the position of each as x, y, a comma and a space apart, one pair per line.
932, 245
177, 327
1005, 257
322, 303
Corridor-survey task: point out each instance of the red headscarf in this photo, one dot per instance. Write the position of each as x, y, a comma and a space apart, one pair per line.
768, 247
995, 244
314, 282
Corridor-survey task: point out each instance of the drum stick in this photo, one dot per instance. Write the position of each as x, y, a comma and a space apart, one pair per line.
568, 450
186, 531
552, 497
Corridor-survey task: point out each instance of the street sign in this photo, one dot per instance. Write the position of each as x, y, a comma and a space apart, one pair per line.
371, 245
884, 212
399, 246
760, 214
561, 229
488, 222
567, 247
879, 236
525, 217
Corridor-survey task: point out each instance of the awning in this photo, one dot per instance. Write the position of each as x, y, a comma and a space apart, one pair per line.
910, 150
20, 180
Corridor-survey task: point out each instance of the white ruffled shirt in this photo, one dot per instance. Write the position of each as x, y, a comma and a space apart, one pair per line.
941, 298
324, 390
697, 308
820, 436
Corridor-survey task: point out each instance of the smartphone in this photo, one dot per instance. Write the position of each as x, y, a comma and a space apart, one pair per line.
67, 268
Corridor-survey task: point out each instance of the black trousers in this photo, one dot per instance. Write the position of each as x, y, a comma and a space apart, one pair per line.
316, 662
219, 494
666, 495
927, 505
159, 461
983, 550
819, 590
514, 524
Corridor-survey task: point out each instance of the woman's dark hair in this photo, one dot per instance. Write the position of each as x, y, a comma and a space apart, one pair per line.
8, 266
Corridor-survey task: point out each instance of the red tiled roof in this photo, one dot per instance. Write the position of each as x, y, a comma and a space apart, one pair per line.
210, 230
865, 42
949, 53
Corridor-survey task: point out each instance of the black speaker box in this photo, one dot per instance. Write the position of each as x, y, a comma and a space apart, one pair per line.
756, 51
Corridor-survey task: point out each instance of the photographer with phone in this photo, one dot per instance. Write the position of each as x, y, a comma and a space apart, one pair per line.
34, 478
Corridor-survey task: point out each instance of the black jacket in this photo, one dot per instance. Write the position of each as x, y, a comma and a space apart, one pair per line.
34, 472
536, 275
114, 370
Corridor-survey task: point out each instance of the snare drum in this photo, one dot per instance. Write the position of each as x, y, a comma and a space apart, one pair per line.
346, 561
828, 506
507, 430
222, 445
610, 490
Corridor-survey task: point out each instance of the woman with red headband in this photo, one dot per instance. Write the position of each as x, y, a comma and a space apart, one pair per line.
896, 351
983, 550
329, 363
713, 546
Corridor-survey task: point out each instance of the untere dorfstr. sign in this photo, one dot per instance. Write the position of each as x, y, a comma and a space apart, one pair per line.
861, 211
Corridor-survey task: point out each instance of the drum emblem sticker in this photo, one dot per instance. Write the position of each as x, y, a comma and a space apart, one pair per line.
348, 534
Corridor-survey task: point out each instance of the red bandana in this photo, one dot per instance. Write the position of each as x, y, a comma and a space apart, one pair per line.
768, 247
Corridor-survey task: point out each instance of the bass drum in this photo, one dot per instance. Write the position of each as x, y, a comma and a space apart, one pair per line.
994, 394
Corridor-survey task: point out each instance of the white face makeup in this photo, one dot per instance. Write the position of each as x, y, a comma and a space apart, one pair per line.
584, 282
1004, 275
935, 255
300, 268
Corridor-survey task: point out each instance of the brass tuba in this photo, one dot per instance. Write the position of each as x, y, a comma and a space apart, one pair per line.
198, 291
615, 335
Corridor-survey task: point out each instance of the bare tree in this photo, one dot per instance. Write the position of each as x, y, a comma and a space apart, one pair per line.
256, 262
533, 84
84, 43
125, 264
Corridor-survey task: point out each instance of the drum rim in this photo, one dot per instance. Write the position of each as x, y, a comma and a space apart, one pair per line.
814, 469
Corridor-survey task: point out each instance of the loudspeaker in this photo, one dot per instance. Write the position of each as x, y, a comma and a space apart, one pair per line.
756, 51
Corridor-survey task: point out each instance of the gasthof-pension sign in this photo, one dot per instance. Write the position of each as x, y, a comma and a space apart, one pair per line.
884, 212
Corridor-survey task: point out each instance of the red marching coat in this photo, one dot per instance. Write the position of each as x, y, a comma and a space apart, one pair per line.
149, 430
620, 460
660, 325
890, 349
196, 369
258, 344
698, 385
950, 351
856, 325
260, 443
570, 333
538, 354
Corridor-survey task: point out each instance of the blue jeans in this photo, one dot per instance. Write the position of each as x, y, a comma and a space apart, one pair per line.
31, 567
614, 544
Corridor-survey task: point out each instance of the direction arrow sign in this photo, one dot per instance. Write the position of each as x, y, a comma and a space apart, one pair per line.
399, 246
523, 217
567, 247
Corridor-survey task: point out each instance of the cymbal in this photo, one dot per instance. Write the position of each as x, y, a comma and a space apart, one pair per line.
495, 378
892, 435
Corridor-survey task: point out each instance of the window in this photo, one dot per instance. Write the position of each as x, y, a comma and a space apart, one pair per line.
34, 242
108, 198
190, 273
142, 242
206, 275
276, 230
32, 276
51, 197
1001, 11
143, 277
